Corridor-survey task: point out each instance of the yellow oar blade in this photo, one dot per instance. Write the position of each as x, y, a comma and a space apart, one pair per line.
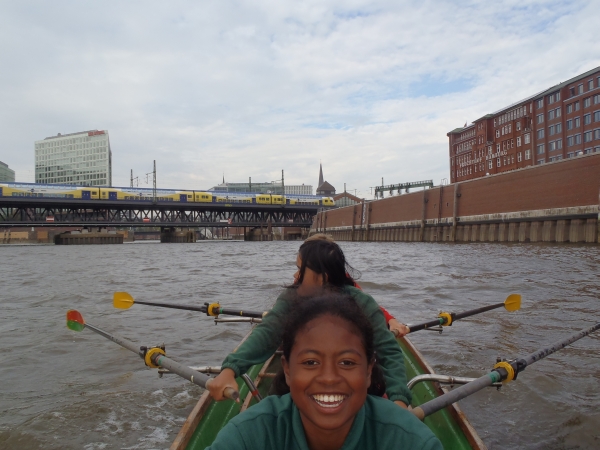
513, 302
122, 300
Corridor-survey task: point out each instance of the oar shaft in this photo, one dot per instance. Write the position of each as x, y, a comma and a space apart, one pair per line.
542, 353
243, 313
472, 312
422, 326
455, 395
162, 361
186, 372
174, 306
116, 339
496, 375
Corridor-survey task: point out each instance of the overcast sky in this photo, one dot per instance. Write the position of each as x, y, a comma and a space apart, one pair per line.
248, 88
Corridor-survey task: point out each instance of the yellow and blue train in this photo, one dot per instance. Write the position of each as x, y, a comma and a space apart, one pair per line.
147, 195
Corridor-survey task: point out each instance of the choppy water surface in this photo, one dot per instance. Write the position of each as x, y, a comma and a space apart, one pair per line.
66, 390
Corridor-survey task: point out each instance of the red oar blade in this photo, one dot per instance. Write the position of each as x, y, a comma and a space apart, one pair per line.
75, 320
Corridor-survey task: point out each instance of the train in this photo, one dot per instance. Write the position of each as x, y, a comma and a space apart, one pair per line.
162, 195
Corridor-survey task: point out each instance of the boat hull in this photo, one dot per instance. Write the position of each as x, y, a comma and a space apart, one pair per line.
208, 417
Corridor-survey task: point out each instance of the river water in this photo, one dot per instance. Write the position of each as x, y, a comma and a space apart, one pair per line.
65, 390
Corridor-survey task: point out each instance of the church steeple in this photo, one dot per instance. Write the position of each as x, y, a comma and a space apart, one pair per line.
320, 175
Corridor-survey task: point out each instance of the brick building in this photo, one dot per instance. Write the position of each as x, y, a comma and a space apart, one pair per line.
558, 123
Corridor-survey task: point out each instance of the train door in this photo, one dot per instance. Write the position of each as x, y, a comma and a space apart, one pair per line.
112, 195
183, 197
86, 195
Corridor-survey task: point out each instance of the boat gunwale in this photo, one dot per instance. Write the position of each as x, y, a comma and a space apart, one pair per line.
455, 410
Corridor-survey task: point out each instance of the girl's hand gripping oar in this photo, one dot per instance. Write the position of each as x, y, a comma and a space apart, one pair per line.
123, 300
504, 371
512, 303
153, 356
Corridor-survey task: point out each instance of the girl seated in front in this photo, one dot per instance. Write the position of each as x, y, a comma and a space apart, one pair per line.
329, 369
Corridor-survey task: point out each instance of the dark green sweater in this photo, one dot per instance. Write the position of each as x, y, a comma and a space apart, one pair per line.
275, 424
266, 338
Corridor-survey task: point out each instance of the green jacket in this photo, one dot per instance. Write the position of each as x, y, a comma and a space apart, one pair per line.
266, 338
275, 423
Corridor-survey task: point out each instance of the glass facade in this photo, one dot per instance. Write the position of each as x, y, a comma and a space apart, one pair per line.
6, 174
81, 158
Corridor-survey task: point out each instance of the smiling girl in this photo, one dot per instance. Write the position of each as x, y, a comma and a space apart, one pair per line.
328, 360
321, 265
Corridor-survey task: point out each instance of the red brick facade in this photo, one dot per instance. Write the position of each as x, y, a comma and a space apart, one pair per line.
559, 123
556, 196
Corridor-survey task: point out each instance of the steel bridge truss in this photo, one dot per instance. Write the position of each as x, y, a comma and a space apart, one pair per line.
152, 216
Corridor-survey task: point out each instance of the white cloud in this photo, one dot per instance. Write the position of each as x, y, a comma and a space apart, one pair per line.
250, 88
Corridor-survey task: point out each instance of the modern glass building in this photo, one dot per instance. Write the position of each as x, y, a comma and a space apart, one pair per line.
6, 174
82, 158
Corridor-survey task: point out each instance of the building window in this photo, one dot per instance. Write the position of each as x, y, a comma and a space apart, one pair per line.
577, 122
540, 134
540, 149
587, 102
576, 105
597, 133
526, 138
596, 98
519, 125
577, 138
541, 161
570, 124
555, 145
519, 157
570, 108
527, 154
497, 147
518, 141
540, 118
498, 162
540, 103
580, 89
557, 112
490, 164
590, 85
558, 128
597, 116
570, 155
587, 119
551, 114
587, 136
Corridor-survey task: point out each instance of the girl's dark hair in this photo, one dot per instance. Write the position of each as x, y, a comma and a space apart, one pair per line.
338, 305
323, 256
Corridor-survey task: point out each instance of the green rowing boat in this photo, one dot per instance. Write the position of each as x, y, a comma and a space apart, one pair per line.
207, 418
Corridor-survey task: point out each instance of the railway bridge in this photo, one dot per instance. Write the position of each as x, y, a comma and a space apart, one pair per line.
40, 212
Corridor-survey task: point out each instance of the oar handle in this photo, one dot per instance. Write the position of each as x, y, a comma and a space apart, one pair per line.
228, 392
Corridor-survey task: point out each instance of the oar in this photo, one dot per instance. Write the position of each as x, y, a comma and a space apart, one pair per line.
503, 371
123, 300
512, 303
153, 356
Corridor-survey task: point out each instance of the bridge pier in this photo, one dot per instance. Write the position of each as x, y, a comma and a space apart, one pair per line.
176, 235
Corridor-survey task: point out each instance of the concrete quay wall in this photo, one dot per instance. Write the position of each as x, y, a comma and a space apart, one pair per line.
555, 202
